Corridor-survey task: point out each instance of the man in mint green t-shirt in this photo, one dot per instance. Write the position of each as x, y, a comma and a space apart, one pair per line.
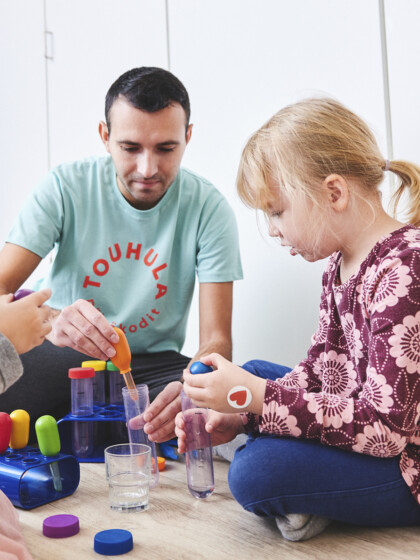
131, 231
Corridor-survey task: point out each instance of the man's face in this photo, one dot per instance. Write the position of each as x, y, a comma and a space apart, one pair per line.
146, 149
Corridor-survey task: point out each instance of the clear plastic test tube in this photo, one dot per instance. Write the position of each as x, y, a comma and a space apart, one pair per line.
198, 455
98, 382
82, 406
116, 384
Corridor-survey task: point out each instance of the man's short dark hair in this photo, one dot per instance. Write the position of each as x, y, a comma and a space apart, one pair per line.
149, 89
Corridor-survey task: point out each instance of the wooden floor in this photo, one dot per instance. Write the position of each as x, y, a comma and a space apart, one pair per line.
178, 527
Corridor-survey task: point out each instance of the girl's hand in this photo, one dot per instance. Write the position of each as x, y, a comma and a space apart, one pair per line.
25, 322
221, 427
228, 388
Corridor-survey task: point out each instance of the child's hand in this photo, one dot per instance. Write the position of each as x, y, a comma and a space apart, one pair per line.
228, 388
25, 322
221, 427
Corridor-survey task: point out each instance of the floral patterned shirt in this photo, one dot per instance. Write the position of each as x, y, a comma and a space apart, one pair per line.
359, 386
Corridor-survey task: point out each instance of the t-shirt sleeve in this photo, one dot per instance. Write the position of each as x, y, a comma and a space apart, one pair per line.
10, 365
378, 416
39, 223
218, 256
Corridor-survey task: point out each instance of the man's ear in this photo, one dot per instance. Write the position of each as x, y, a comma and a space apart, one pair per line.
104, 134
188, 134
336, 189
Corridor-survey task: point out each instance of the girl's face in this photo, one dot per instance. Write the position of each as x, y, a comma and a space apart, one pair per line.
300, 225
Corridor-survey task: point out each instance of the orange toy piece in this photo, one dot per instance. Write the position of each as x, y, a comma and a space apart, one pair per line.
122, 361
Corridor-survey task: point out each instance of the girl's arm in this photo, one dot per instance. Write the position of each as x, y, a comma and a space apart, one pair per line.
377, 409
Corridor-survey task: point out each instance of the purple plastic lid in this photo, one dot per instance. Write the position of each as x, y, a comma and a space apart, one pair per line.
60, 526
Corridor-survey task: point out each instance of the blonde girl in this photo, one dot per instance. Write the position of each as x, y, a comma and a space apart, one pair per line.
336, 437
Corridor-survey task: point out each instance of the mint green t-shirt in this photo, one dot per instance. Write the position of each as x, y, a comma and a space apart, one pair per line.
137, 267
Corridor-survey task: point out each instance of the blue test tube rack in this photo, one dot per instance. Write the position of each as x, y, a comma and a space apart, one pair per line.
25, 476
105, 427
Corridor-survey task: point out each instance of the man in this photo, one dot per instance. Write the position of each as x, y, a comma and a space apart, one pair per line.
130, 231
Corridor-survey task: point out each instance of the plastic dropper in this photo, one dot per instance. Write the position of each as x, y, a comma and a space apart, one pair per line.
49, 444
122, 360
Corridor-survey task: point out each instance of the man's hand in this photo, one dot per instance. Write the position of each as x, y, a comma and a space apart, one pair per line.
25, 322
160, 415
83, 328
221, 427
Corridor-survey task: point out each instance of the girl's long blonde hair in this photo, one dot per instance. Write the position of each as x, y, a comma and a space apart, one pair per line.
305, 142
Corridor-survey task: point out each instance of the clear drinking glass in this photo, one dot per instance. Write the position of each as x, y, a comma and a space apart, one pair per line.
128, 469
134, 408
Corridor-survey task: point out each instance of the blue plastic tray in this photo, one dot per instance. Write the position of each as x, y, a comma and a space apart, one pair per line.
86, 437
26, 476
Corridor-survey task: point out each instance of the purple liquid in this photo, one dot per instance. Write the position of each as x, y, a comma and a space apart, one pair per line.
195, 429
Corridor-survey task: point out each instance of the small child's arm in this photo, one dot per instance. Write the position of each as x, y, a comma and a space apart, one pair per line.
228, 389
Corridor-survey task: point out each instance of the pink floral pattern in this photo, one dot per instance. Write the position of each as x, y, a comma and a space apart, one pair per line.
295, 379
278, 420
352, 335
321, 334
384, 285
409, 470
337, 373
359, 386
378, 440
330, 410
412, 237
377, 391
405, 343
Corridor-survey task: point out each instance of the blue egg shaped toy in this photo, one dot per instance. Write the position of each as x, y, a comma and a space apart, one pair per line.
199, 367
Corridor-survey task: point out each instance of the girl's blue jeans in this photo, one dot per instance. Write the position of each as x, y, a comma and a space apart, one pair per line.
274, 475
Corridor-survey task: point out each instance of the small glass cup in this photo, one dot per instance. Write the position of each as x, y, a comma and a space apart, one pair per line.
128, 468
136, 408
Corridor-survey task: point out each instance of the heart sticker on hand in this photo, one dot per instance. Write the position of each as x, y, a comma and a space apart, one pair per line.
239, 397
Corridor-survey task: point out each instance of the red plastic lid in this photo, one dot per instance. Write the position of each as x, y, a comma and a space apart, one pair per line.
81, 372
5, 431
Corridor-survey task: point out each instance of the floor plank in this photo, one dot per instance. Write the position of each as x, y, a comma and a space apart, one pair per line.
178, 526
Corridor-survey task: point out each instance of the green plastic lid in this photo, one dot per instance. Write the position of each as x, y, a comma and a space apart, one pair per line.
48, 436
110, 367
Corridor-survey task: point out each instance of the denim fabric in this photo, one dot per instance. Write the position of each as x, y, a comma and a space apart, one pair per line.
273, 475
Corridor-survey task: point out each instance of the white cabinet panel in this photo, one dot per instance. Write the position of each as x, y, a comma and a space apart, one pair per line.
403, 39
242, 60
23, 142
93, 43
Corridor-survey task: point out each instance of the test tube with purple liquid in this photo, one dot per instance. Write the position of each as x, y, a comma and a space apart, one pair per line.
198, 454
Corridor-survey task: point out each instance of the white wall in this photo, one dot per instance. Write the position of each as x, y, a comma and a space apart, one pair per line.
241, 60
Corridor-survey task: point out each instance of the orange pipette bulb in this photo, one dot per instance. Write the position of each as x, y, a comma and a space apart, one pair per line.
122, 360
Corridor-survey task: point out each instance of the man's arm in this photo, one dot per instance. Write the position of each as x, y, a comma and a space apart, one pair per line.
215, 316
16, 265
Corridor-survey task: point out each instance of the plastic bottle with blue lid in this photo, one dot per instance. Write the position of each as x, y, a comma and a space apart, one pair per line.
198, 455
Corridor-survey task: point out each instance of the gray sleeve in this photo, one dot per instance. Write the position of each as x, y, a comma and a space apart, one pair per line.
10, 365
